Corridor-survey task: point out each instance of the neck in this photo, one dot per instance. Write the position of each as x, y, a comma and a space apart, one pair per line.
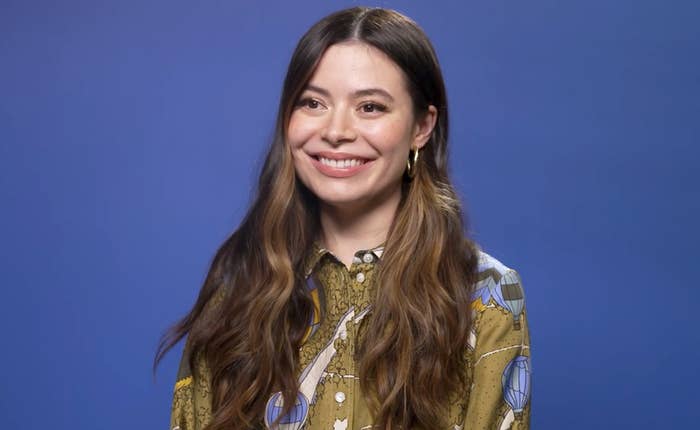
350, 228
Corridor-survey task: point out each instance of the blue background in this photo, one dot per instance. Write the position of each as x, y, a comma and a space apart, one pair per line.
131, 133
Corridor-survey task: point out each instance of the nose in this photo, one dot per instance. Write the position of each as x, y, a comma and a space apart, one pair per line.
339, 127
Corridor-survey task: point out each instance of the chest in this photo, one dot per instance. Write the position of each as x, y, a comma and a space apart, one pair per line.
331, 395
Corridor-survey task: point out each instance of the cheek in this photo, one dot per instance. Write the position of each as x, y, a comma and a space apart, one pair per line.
298, 134
298, 131
391, 138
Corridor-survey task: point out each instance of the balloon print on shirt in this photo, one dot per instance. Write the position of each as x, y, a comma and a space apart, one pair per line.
308, 381
296, 416
516, 384
505, 290
513, 296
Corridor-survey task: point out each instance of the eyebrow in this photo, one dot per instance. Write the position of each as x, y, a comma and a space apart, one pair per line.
359, 93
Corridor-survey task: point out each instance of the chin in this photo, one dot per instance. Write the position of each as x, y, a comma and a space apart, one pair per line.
339, 199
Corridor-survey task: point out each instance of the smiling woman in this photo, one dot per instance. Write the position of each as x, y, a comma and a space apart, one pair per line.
350, 296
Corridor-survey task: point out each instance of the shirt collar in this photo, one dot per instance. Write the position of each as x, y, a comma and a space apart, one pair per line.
318, 252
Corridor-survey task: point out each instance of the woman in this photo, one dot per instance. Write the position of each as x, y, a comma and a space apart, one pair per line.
348, 297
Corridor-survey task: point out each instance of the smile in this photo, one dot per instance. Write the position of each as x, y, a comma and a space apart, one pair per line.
337, 165
341, 164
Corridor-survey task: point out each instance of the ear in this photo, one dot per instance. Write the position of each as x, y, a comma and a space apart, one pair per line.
424, 127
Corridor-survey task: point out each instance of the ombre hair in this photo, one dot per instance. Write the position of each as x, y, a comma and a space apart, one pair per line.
253, 309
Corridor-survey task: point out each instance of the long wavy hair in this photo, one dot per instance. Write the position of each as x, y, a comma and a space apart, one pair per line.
253, 309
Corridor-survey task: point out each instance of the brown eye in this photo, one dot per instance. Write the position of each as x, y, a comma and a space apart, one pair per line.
372, 108
309, 103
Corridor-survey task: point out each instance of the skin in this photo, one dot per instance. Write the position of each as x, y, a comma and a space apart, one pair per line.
356, 106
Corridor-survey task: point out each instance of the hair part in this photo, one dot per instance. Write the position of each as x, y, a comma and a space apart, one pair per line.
418, 328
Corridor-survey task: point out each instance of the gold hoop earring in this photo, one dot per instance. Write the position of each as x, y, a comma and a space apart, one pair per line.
412, 165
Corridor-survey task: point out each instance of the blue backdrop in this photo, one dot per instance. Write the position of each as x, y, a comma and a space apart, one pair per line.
131, 133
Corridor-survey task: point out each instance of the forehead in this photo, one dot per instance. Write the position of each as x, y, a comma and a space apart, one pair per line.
353, 65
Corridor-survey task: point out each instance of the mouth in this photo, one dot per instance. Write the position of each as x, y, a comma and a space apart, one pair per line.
339, 165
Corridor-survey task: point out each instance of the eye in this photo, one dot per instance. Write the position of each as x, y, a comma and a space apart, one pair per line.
372, 107
309, 103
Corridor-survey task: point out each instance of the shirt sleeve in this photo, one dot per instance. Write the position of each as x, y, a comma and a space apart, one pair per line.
191, 407
183, 406
499, 360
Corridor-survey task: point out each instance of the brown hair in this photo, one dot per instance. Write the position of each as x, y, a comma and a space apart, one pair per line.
253, 309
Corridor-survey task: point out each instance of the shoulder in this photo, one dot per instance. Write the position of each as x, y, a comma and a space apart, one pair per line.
490, 266
497, 285
498, 309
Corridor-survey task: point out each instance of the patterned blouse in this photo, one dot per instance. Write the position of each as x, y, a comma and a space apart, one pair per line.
497, 357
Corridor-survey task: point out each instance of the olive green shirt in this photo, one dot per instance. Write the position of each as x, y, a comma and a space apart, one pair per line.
497, 357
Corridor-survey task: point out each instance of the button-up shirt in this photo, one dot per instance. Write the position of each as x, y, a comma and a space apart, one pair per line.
497, 358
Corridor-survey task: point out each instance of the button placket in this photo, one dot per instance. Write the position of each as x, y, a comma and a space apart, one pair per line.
360, 282
358, 279
345, 385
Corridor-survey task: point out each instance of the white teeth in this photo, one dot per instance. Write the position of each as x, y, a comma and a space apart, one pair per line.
340, 164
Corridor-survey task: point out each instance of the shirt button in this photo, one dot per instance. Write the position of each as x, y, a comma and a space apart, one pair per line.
367, 258
340, 397
343, 335
360, 277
